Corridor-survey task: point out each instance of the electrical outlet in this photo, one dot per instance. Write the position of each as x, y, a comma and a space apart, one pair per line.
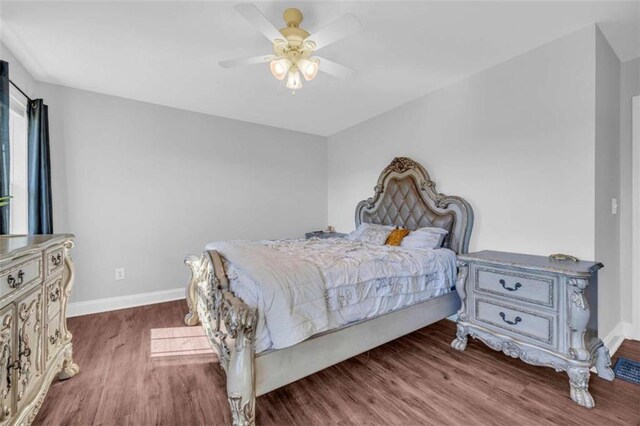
119, 274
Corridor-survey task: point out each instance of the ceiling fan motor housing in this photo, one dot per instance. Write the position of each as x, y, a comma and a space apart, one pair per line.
295, 47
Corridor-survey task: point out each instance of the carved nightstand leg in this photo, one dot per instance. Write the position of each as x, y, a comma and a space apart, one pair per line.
69, 368
460, 342
579, 383
603, 363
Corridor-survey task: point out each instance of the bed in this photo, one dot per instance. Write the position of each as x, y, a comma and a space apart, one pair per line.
277, 311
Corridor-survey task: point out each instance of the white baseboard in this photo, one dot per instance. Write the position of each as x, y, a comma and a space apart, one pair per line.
614, 339
75, 309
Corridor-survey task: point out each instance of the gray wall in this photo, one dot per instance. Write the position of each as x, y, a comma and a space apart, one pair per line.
143, 185
18, 73
629, 87
518, 141
607, 182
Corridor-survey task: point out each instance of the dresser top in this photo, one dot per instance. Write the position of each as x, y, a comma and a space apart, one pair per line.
12, 246
541, 263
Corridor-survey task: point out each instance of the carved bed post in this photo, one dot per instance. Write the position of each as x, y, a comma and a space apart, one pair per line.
195, 266
460, 342
241, 325
230, 325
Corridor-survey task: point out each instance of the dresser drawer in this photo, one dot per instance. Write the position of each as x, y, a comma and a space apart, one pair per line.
53, 337
53, 297
54, 261
516, 320
21, 274
526, 287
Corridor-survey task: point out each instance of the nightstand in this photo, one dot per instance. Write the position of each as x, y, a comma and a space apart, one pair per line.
323, 235
535, 309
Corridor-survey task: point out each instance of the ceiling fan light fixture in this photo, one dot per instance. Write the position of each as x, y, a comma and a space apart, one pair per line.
309, 68
293, 46
280, 67
294, 81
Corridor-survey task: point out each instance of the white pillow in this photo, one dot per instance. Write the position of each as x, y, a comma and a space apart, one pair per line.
429, 238
433, 230
371, 233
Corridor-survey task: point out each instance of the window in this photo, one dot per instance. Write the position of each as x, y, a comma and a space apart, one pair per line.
18, 147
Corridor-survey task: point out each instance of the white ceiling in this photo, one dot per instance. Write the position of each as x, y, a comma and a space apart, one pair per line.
167, 52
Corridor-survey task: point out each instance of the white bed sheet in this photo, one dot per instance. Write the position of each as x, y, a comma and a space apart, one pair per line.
361, 280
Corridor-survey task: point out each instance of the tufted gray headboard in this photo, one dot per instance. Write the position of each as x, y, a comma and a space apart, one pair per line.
406, 196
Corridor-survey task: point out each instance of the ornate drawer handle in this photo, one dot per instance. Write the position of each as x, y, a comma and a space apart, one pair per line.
15, 283
514, 288
55, 295
56, 259
26, 353
55, 338
514, 322
15, 365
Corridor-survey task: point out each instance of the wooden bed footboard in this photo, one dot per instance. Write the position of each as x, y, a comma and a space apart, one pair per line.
230, 325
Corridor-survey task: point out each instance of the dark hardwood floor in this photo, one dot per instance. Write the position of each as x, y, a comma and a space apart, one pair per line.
126, 379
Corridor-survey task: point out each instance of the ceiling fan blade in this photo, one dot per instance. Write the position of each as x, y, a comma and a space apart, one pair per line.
252, 14
338, 29
246, 61
336, 69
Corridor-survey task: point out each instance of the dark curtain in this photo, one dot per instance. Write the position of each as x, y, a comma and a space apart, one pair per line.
39, 164
5, 173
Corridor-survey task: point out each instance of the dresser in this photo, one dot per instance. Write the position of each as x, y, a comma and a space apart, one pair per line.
36, 276
539, 310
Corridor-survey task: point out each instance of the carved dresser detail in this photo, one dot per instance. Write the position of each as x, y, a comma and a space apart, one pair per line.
540, 310
36, 276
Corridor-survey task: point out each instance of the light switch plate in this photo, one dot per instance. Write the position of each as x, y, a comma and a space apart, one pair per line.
614, 206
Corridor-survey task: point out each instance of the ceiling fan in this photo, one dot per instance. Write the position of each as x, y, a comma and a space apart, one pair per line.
293, 47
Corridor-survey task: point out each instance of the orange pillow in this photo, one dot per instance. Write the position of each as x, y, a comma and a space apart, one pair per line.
396, 236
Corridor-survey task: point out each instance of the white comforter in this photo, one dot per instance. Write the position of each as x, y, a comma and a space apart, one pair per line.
303, 287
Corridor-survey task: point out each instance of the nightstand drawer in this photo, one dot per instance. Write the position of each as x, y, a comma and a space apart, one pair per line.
518, 321
526, 287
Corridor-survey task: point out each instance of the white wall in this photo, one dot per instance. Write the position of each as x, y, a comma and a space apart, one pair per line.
143, 185
607, 181
516, 140
629, 87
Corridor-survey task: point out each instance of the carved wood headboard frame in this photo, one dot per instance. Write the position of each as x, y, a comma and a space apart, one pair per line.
406, 196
